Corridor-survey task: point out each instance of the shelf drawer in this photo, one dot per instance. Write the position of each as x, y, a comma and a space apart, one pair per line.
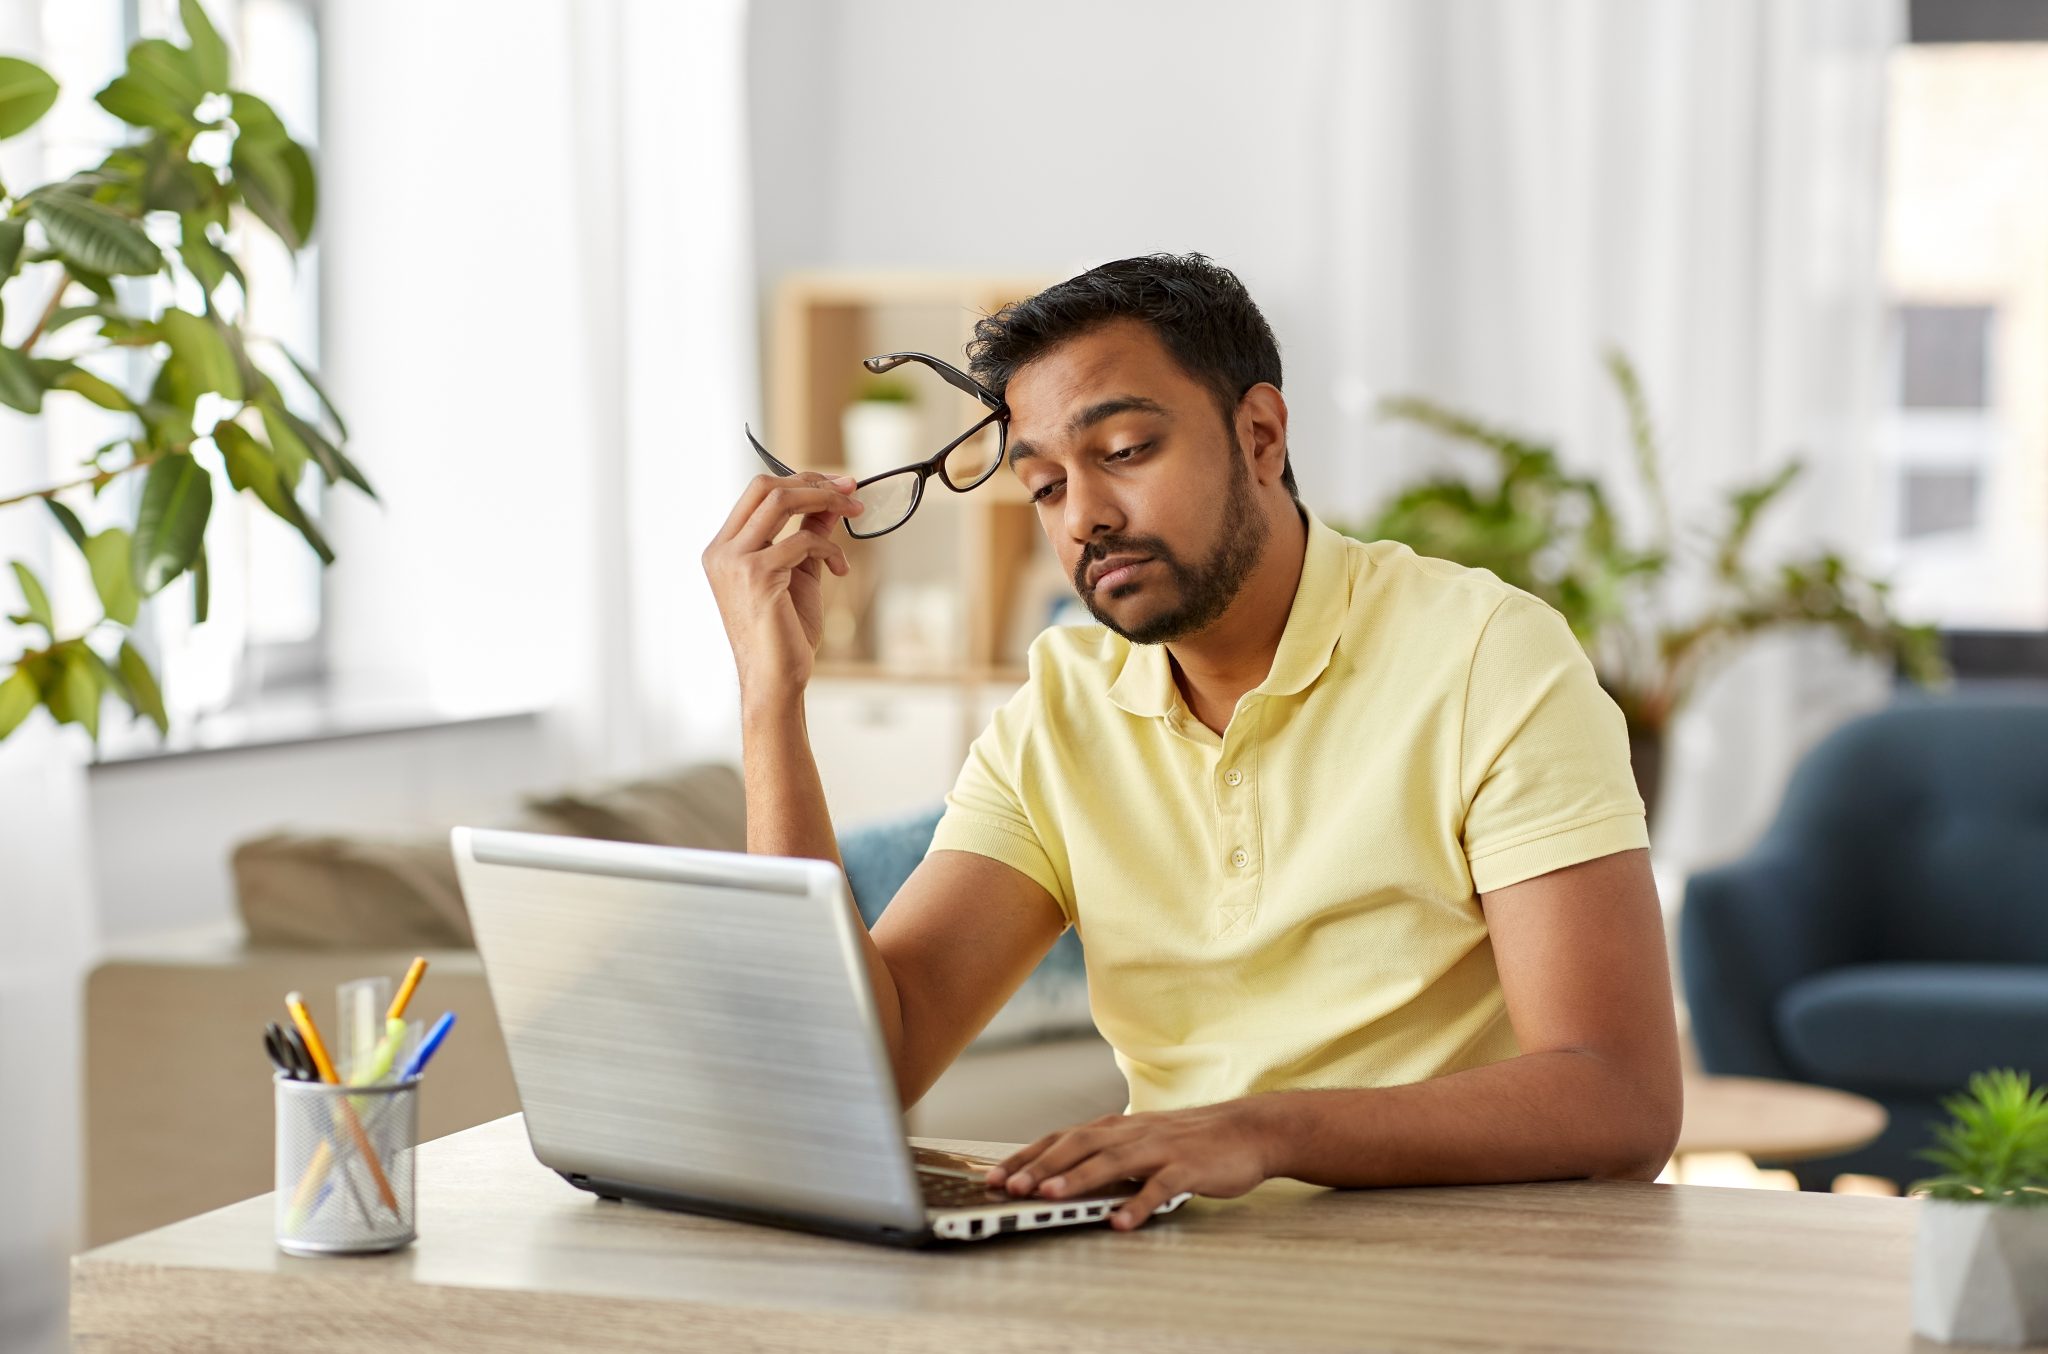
885, 749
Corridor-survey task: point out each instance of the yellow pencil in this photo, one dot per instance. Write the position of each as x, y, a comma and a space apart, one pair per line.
406, 988
303, 1020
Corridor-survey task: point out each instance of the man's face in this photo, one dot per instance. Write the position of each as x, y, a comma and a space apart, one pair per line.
1139, 482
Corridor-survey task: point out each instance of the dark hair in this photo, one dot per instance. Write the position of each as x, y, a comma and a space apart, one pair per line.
1197, 307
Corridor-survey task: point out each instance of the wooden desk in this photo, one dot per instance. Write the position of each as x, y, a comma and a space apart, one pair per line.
511, 1258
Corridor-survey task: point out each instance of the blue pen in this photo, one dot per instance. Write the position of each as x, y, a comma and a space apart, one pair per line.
428, 1046
414, 1065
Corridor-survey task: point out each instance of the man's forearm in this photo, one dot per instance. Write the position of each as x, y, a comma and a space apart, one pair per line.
1557, 1115
787, 816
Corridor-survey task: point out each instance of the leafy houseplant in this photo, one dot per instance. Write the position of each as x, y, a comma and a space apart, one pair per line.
1980, 1271
1555, 534
94, 258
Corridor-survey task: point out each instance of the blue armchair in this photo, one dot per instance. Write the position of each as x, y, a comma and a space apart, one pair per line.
1889, 934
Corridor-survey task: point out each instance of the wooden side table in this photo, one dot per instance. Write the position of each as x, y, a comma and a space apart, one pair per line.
1773, 1120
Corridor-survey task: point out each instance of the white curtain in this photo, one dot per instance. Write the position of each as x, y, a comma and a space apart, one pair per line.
670, 358
1518, 183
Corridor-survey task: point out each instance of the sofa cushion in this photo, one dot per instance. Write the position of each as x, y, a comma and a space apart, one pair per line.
701, 806
357, 892
331, 891
1052, 1002
1916, 1027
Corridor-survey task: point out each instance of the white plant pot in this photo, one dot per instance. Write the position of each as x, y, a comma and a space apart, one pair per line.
878, 435
1980, 1274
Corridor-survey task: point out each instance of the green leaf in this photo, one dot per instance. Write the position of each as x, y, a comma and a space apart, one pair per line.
319, 393
75, 698
26, 93
38, 600
148, 698
265, 182
110, 557
305, 190
12, 234
65, 316
286, 445
170, 69
102, 392
209, 52
96, 238
68, 520
20, 385
257, 125
209, 263
176, 499
96, 283
250, 465
19, 695
142, 104
202, 588
199, 348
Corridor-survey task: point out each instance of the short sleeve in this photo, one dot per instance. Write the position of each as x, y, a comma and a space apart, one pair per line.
988, 811
1544, 761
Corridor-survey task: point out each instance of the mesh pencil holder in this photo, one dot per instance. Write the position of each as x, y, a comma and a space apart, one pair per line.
344, 1166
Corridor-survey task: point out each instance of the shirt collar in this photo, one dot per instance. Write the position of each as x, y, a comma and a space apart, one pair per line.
1322, 599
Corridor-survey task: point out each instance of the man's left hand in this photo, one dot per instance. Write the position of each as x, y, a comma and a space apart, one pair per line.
1218, 1150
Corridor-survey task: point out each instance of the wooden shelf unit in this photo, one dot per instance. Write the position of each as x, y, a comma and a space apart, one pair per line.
984, 548
823, 324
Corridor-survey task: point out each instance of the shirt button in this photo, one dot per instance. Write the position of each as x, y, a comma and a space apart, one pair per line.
1233, 777
1240, 857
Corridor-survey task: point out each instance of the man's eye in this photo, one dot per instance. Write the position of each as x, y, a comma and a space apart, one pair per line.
1040, 495
1128, 452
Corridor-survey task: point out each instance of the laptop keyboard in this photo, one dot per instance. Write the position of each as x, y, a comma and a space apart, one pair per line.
949, 1191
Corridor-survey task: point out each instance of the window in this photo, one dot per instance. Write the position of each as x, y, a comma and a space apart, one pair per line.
1965, 433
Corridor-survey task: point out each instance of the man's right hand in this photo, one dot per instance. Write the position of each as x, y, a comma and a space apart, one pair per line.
769, 591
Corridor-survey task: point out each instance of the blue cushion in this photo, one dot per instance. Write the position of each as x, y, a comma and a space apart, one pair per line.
1916, 1027
1053, 1000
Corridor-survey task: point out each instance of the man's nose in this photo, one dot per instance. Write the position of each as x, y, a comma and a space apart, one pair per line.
1091, 512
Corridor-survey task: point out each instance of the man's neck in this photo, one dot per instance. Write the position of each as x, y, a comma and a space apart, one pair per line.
1233, 655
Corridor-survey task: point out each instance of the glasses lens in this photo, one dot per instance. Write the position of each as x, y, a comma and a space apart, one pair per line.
973, 460
888, 501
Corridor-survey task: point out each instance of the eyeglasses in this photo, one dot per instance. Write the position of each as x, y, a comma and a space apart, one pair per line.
963, 463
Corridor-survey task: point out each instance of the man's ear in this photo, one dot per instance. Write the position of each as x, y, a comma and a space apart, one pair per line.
1262, 431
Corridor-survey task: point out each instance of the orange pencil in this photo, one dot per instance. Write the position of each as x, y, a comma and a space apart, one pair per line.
303, 1020
406, 989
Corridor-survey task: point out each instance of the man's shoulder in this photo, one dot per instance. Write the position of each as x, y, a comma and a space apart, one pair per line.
1394, 585
1065, 656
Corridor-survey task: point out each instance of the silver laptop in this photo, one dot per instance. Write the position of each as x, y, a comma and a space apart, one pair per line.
695, 1029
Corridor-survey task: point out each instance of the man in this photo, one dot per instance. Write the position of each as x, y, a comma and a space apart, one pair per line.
1350, 835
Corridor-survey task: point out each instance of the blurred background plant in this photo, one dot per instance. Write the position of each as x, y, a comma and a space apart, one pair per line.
1556, 535
127, 269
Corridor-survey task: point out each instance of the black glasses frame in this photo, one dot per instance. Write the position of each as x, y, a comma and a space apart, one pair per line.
998, 416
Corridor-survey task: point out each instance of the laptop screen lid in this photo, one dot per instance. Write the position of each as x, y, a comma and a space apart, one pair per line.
698, 1022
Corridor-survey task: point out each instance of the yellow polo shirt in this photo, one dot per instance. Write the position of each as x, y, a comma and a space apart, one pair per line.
1295, 903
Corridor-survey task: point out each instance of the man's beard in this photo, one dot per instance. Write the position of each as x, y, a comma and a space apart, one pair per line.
1206, 589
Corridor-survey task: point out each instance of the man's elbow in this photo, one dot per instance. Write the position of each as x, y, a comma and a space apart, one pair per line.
1646, 1138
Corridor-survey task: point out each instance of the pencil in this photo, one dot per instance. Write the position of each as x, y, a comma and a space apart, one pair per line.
303, 1019
406, 988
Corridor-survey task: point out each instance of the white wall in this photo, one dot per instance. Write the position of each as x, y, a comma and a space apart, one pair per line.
1055, 136
163, 830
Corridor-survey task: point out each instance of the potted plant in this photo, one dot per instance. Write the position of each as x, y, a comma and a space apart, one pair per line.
1980, 1267
879, 427
1555, 534
138, 303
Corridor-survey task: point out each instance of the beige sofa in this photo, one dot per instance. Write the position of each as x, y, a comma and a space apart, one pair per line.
178, 1114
